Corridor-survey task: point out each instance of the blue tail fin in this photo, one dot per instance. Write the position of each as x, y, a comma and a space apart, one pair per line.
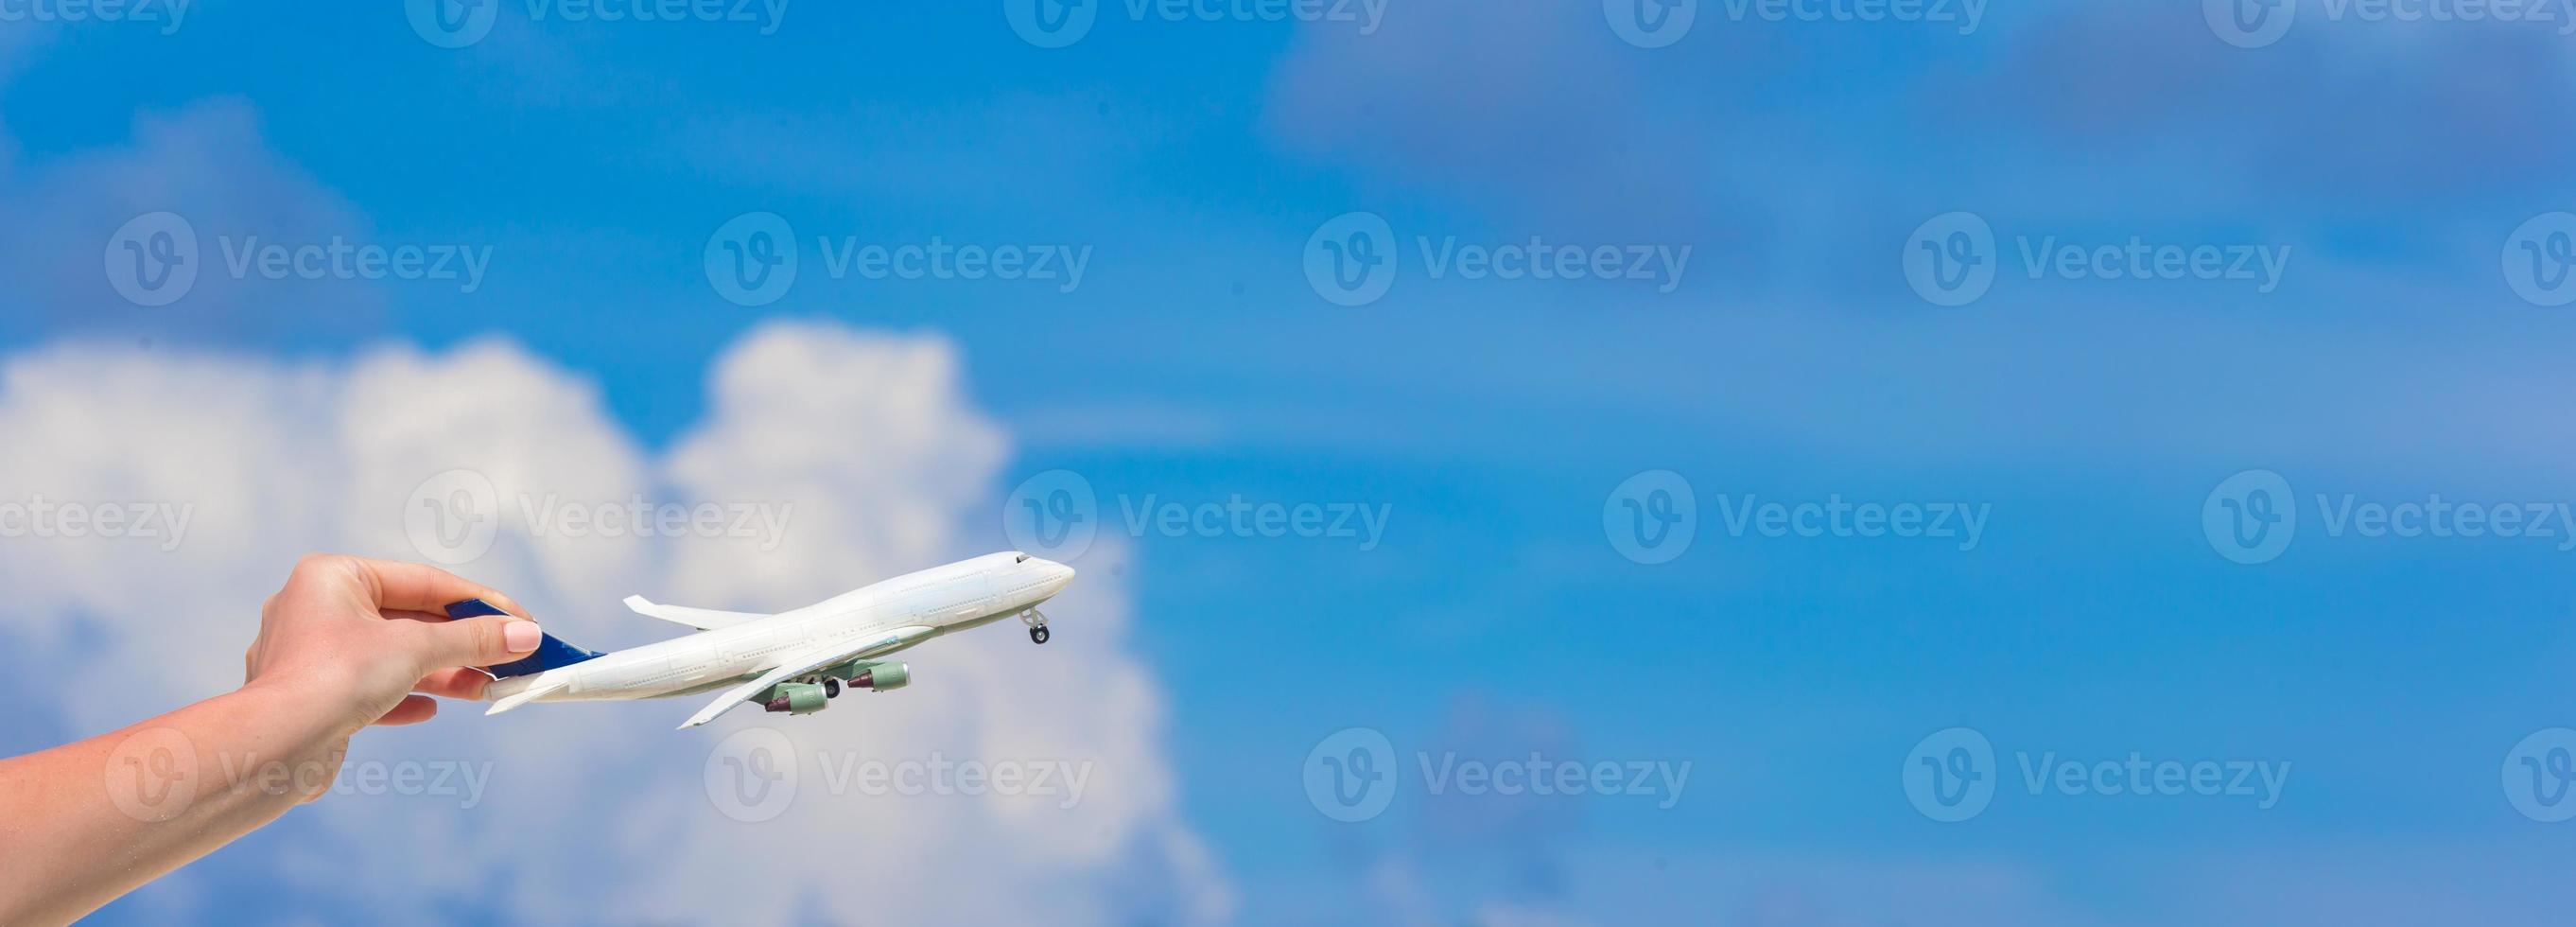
550, 653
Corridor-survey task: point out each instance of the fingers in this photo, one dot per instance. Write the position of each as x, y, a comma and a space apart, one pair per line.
413, 710
398, 586
456, 683
407, 615
471, 641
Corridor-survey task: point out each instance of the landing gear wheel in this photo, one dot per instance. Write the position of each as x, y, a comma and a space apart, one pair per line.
831, 688
1038, 635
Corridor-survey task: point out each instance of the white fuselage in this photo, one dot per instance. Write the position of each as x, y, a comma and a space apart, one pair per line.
903, 611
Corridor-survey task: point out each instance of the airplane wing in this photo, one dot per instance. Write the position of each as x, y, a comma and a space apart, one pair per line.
703, 619
806, 663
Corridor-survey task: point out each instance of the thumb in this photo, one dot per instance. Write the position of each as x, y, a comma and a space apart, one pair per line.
475, 641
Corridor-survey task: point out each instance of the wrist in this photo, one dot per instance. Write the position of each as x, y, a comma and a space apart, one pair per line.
297, 718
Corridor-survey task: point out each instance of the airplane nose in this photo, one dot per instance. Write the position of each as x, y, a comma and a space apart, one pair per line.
1058, 576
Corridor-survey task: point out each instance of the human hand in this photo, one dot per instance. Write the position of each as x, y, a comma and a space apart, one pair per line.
348, 643
360, 642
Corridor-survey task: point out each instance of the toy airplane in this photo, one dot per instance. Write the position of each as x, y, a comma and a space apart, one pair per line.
793, 661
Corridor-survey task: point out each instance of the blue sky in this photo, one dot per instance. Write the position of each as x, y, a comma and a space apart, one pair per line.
2392, 163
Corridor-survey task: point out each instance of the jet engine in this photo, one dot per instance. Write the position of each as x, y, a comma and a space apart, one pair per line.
803, 698
883, 677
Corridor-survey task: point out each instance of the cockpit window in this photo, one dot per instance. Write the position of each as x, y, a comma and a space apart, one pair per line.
1023, 558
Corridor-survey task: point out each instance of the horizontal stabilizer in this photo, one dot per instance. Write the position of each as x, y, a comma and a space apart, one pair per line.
524, 696
703, 619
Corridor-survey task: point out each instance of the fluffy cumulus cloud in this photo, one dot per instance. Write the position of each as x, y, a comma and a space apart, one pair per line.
866, 459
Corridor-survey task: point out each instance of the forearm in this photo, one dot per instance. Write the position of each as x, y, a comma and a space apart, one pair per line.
86, 822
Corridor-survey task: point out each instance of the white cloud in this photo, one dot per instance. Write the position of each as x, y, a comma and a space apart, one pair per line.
601, 812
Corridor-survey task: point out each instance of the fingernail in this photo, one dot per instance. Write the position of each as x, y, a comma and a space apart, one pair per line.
521, 635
